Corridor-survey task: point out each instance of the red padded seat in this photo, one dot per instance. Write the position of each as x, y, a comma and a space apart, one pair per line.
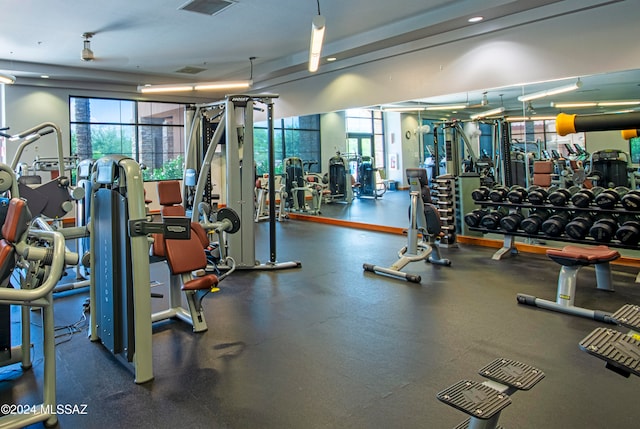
578, 255
186, 256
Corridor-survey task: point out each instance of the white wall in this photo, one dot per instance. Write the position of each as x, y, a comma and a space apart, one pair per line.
606, 140
394, 136
535, 52
333, 133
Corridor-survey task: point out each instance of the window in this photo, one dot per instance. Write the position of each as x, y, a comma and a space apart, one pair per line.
634, 149
152, 133
365, 134
298, 136
540, 136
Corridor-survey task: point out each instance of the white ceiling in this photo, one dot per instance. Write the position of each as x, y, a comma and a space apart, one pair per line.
148, 41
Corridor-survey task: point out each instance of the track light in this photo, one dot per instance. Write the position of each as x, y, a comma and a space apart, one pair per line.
7, 79
550, 92
487, 113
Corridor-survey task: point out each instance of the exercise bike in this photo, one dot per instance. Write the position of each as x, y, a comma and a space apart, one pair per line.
424, 230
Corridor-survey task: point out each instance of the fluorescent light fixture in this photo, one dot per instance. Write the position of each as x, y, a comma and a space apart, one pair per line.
617, 103
403, 108
530, 118
7, 79
164, 88
448, 106
475, 19
580, 104
201, 86
550, 92
208, 86
317, 36
331, 59
487, 113
576, 105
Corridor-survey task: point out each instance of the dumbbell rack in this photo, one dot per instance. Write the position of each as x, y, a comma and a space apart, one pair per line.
443, 197
509, 248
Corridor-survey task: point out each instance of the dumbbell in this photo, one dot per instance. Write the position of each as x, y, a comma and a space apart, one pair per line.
473, 219
492, 219
603, 229
582, 198
480, 194
555, 224
631, 200
517, 195
511, 222
498, 194
579, 226
629, 233
531, 224
560, 197
608, 198
537, 195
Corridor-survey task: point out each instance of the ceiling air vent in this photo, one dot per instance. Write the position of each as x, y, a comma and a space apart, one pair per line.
207, 7
190, 70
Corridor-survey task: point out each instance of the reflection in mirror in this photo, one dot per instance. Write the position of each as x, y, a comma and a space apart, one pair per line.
495, 132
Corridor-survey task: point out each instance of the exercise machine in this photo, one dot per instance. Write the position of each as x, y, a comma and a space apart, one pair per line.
262, 199
119, 293
301, 195
193, 262
234, 121
43, 256
340, 181
610, 168
424, 230
367, 183
54, 198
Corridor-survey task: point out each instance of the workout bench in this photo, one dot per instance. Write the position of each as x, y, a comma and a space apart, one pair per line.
572, 258
484, 402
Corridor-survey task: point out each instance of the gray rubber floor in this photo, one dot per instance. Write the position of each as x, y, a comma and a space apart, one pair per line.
329, 346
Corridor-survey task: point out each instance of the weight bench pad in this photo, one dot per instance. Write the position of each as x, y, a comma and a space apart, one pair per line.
628, 316
617, 349
512, 373
475, 399
577, 255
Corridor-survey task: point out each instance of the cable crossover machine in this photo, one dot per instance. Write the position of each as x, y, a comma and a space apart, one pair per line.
231, 121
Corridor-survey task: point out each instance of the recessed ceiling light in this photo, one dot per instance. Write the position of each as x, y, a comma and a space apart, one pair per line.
44, 76
330, 59
476, 19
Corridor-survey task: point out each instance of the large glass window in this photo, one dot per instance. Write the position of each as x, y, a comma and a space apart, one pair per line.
152, 133
540, 137
365, 127
634, 149
298, 136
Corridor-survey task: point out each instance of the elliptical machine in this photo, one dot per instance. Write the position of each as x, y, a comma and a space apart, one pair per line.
424, 230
